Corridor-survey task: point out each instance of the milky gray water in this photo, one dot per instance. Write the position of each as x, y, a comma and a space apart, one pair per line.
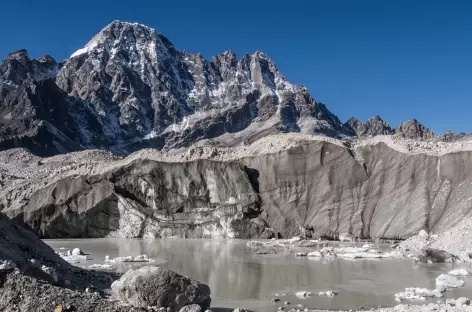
238, 278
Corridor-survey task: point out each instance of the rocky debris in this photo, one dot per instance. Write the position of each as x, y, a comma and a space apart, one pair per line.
22, 293
431, 255
457, 239
448, 281
138, 258
274, 300
419, 247
459, 272
155, 286
413, 293
416, 243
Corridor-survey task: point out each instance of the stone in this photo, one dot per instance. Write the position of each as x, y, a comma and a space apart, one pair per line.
155, 286
275, 300
191, 308
448, 281
240, 310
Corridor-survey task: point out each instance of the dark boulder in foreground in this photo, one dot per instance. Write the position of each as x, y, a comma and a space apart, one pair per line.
154, 286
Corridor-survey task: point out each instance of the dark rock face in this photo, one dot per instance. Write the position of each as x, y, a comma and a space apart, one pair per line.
372, 127
155, 286
130, 88
412, 129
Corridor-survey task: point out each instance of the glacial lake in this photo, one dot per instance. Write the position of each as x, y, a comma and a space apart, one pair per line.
240, 279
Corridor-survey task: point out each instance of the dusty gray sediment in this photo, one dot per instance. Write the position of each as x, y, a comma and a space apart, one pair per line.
279, 186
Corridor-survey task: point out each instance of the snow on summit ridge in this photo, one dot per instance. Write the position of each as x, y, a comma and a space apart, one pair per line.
129, 88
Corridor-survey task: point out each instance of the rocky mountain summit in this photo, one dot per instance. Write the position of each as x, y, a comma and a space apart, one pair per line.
410, 129
373, 126
130, 88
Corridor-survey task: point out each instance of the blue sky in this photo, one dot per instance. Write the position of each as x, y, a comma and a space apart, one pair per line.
396, 58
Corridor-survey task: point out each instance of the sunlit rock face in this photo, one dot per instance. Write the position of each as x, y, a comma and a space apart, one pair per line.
129, 88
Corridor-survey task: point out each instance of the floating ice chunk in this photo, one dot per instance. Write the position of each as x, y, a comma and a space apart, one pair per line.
328, 293
102, 266
459, 272
315, 254
303, 294
139, 258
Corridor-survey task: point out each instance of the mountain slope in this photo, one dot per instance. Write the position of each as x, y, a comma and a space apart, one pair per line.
129, 88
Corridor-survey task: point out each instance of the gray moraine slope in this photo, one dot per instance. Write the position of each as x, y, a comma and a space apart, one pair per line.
311, 187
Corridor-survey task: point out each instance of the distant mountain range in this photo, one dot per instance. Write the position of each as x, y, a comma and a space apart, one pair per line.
129, 88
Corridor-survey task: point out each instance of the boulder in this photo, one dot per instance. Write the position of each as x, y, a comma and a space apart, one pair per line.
448, 281
155, 286
191, 308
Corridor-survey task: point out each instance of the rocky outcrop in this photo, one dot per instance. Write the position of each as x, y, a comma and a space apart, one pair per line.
372, 127
129, 88
412, 129
154, 286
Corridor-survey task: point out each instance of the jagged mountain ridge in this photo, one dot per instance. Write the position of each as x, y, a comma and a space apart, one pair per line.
129, 88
